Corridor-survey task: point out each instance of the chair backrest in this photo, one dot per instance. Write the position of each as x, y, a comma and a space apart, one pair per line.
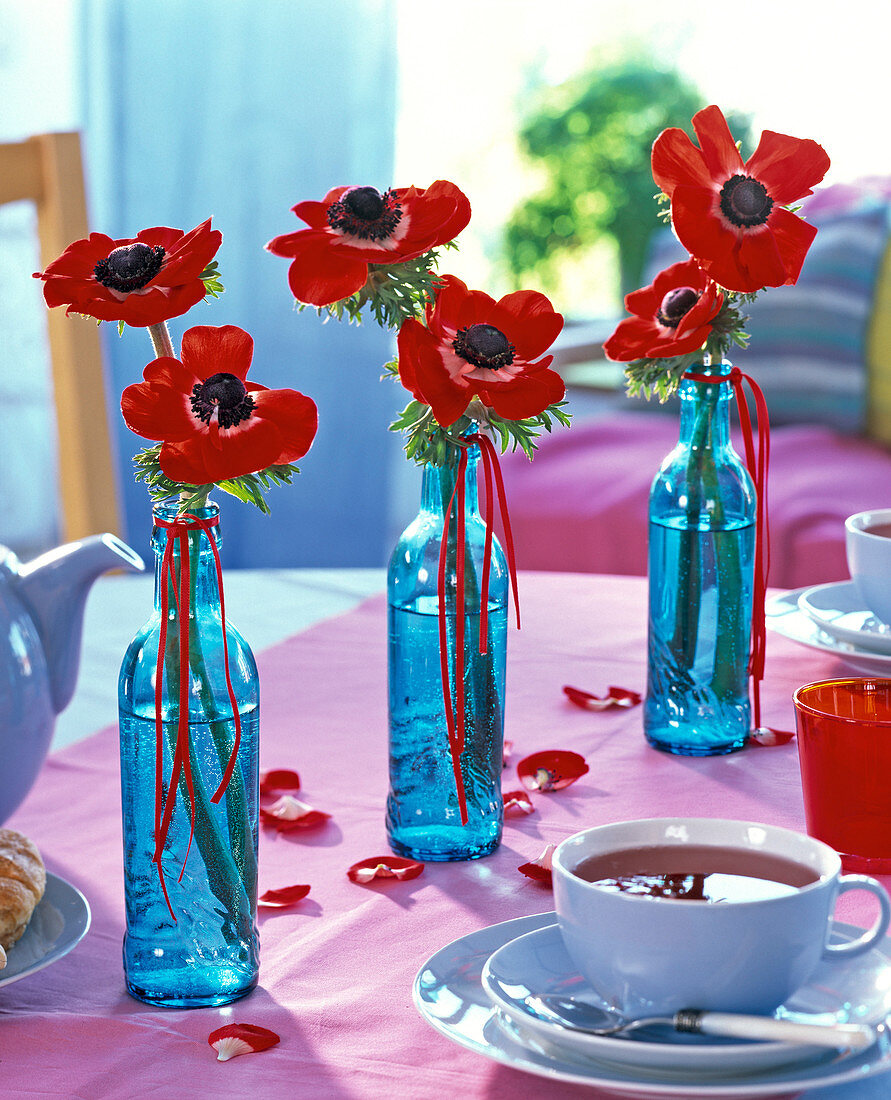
47, 169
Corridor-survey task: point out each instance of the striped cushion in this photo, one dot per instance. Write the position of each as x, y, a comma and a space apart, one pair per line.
808, 346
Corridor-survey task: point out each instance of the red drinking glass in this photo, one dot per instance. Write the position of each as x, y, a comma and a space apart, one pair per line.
844, 750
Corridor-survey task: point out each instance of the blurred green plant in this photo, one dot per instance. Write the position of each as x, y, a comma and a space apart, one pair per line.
592, 136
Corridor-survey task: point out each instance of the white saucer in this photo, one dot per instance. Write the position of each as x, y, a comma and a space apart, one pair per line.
838, 609
784, 616
538, 963
449, 995
59, 922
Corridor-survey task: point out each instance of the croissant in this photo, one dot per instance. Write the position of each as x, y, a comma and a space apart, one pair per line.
22, 882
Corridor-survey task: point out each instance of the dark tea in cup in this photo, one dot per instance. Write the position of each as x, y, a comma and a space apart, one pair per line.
695, 872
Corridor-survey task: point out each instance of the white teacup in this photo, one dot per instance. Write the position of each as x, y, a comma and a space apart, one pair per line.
648, 955
868, 547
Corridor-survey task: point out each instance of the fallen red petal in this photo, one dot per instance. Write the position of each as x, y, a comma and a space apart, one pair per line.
551, 770
290, 813
769, 738
506, 750
518, 800
286, 895
235, 1039
384, 867
615, 697
279, 779
540, 869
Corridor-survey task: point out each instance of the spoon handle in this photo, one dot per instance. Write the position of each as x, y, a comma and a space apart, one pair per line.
735, 1025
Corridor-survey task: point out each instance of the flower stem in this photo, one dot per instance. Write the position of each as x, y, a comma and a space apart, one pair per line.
161, 342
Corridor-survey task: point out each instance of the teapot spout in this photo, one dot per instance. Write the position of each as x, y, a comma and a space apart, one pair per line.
54, 589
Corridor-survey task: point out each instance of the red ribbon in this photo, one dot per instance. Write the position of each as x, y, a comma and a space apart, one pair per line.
757, 466
179, 535
455, 719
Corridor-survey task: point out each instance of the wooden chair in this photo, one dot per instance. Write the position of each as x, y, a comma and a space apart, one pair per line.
47, 169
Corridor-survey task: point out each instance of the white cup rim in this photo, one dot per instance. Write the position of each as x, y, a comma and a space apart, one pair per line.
859, 521
828, 856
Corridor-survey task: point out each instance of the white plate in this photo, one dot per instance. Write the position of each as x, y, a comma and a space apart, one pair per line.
538, 963
58, 923
449, 995
785, 617
838, 610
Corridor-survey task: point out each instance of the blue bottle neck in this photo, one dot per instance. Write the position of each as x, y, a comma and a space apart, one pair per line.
439, 483
203, 586
705, 409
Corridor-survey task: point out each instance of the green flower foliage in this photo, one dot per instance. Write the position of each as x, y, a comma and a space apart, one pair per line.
210, 276
392, 293
426, 441
592, 137
250, 488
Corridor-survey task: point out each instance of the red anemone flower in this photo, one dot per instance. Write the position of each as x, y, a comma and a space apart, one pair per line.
142, 280
730, 215
214, 424
353, 227
671, 317
474, 346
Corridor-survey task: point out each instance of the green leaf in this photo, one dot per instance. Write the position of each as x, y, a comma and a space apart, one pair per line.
250, 488
392, 292
426, 441
210, 276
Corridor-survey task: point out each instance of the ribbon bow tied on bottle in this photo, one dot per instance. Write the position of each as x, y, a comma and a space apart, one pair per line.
455, 717
180, 529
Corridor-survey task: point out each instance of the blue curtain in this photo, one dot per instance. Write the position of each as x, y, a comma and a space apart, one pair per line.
239, 110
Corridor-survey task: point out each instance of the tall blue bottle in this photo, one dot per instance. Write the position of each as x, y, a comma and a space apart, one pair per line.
203, 949
701, 576
423, 819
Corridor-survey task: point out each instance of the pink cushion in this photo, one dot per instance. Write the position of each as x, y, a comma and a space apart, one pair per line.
581, 505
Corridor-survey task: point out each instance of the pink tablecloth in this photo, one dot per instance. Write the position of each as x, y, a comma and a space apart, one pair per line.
337, 970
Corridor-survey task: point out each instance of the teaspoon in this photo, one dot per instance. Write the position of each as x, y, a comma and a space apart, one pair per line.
595, 1020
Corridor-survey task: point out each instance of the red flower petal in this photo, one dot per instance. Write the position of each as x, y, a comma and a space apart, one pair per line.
290, 813
517, 800
328, 265
235, 1039
279, 779
277, 428
615, 697
770, 738
506, 749
540, 869
70, 280
739, 256
435, 374
285, 896
551, 770
645, 335
383, 867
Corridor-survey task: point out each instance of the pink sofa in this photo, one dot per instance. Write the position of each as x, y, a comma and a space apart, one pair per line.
581, 505
821, 351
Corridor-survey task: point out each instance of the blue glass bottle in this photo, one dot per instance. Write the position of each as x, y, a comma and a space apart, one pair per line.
423, 819
208, 955
701, 575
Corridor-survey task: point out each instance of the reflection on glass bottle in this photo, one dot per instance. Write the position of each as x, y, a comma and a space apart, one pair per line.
201, 948
701, 571
423, 812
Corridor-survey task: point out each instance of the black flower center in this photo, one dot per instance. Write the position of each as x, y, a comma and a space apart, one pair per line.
129, 267
676, 304
484, 346
225, 395
366, 213
745, 201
